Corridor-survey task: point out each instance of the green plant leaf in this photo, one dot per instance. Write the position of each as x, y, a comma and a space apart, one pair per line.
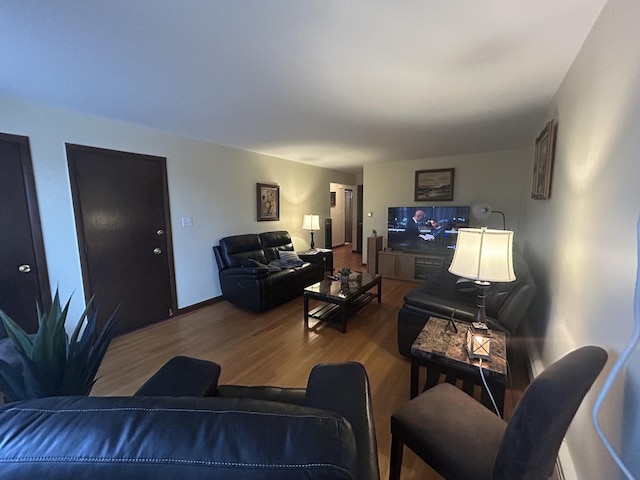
50, 344
53, 363
11, 382
85, 355
20, 339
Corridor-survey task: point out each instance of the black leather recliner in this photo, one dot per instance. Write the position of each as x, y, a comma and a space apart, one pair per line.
246, 279
181, 424
443, 296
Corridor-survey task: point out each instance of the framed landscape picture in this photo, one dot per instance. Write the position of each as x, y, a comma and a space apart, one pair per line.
434, 185
268, 202
543, 162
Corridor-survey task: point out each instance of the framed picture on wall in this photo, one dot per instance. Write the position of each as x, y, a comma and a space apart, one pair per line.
543, 162
268, 202
434, 185
332, 199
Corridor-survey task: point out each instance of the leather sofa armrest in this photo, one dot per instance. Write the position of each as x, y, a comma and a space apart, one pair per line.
182, 377
344, 388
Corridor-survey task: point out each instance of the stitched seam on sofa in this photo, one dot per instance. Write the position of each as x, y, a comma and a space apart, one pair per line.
178, 410
170, 460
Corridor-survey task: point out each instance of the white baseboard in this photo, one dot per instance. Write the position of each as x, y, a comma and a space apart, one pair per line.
564, 469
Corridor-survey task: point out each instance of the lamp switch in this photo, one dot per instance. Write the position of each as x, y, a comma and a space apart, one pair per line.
187, 221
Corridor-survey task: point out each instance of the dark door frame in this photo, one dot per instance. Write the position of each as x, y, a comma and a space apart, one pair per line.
77, 209
34, 217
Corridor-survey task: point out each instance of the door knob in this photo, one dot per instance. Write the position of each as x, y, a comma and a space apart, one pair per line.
160, 232
157, 251
24, 268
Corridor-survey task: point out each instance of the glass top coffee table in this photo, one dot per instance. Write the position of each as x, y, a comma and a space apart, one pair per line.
339, 300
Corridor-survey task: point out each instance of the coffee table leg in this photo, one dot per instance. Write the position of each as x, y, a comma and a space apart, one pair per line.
306, 311
343, 315
379, 289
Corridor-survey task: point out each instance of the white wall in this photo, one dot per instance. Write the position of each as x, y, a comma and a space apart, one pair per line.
581, 243
496, 178
214, 185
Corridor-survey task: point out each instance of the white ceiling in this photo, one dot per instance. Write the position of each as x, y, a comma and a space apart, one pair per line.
334, 83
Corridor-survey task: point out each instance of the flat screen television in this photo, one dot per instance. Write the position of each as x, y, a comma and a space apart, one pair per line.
436, 228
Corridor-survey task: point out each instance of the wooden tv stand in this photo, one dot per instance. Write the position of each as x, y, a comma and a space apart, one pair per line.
415, 267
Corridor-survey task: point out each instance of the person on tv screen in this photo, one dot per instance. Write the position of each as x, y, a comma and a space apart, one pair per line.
412, 229
436, 228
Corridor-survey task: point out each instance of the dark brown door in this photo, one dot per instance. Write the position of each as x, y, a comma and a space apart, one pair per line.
23, 269
121, 206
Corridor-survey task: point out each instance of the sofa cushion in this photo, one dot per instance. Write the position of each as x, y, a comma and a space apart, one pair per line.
168, 438
274, 242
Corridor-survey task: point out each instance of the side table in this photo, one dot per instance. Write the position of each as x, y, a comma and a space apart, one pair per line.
319, 254
442, 351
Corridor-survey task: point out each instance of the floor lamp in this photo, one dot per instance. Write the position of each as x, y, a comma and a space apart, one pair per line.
483, 210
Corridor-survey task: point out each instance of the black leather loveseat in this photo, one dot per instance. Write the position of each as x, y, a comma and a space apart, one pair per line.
255, 277
181, 424
445, 295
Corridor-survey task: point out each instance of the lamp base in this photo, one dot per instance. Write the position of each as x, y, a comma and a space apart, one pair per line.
313, 245
481, 314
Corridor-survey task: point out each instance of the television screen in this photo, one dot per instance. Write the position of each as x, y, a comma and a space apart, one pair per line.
420, 229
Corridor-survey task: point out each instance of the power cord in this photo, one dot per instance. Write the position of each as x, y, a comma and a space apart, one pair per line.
484, 381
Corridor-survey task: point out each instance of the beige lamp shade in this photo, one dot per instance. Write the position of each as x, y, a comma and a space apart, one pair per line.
311, 222
484, 255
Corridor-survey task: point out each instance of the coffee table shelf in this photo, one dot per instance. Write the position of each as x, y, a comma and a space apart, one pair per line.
340, 302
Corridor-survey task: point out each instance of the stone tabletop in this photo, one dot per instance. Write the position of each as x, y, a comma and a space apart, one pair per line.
436, 342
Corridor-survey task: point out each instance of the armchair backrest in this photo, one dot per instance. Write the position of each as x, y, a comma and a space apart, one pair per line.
508, 302
540, 421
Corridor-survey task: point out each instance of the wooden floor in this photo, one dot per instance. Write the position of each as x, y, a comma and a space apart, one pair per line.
274, 348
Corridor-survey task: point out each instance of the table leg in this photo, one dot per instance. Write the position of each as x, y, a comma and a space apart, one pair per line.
306, 311
415, 372
433, 376
343, 317
379, 289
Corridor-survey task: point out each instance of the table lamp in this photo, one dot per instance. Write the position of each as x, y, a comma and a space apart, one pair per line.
485, 256
312, 223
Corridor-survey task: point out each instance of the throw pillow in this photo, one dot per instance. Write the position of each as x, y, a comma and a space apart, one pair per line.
291, 258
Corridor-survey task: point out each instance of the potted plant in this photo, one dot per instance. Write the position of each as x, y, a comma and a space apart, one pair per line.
344, 274
52, 362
